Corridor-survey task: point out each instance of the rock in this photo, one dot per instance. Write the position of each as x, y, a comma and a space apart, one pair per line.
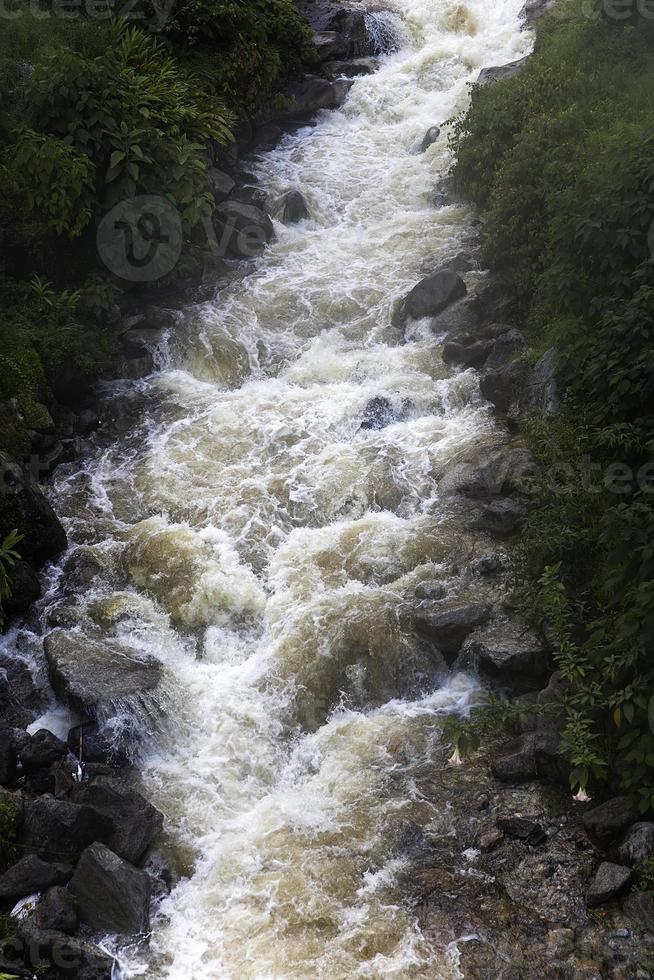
292, 207
96, 745
42, 749
56, 910
503, 370
358, 41
57, 829
7, 759
85, 673
494, 471
19, 699
489, 839
330, 45
502, 517
610, 879
548, 731
506, 655
314, 94
518, 766
430, 138
497, 74
444, 195
87, 422
434, 294
350, 69
468, 355
540, 395
267, 137
609, 820
112, 896
222, 184
80, 569
31, 874
69, 956
22, 505
494, 301
25, 589
430, 591
448, 629
522, 828
533, 10
136, 824
378, 413
639, 906
241, 229
638, 844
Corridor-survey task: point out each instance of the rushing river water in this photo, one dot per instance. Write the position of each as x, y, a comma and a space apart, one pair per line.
263, 545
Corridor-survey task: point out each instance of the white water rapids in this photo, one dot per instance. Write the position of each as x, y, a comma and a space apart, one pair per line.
261, 544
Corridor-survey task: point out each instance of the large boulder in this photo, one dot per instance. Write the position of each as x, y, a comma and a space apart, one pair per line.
330, 45
434, 294
502, 517
23, 506
20, 700
42, 749
25, 589
448, 628
60, 955
638, 844
503, 470
59, 830
533, 10
136, 824
610, 879
30, 875
504, 370
313, 94
222, 184
499, 73
242, 230
549, 726
112, 896
56, 910
87, 673
350, 69
610, 819
517, 766
378, 413
292, 207
508, 655
540, 395
429, 138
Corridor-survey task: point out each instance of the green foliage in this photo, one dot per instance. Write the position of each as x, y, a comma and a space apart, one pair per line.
9, 814
561, 159
8, 558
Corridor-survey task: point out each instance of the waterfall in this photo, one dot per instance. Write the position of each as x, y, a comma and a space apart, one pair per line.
253, 536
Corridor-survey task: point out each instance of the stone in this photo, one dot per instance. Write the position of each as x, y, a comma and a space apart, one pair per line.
87, 422
503, 371
254, 196
548, 731
313, 94
430, 138
136, 824
639, 906
610, 879
522, 828
444, 195
19, 698
493, 472
97, 746
487, 564
69, 956
241, 229
494, 301
489, 839
112, 896
467, 355
434, 294
42, 749
25, 589
8, 758
23, 505
498, 74
540, 395
378, 413
638, 844
86, 673
352, 68
518, 766
56, 910
59, 830
448, 628
330, 45
430, 591
292, 207
533, 10
222, 184
610, 819
502, 517
507, 655
31, 874
267, 137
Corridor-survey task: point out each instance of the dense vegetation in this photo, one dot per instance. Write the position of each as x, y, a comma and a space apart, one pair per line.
560, 158
94, 112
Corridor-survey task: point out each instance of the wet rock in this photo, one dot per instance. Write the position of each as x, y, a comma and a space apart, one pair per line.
61, 955
434, 294
23, 505
508, 656
314, 94
353, 68
135, 823
499, 471
378, 413
430, 591
351, 23
448, 628
85, 673
25, 589
112, 896
540, 395
487, 564
87, 422
267, 137
330, 45
533, 10
59, 830
522, 828
489, 839
222, 184
548, 731
56, 910
610, 879
502, 517
96, 745
494, 301
254, 196
518, 766
241, 229
7, 759
639, 906
292, 207
19, 698
42, 749
497, 74
430, 138
81, 568
467, 355
609, 820
504, 371
444, 195
31, 874
638, 844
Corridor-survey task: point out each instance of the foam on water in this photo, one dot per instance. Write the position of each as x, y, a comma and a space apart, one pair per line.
262, 544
